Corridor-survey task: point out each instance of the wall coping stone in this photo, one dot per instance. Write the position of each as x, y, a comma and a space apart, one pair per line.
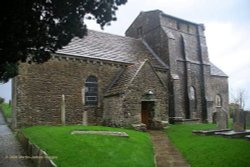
38, 156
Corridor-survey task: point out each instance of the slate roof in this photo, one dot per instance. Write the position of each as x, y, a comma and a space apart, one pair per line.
104, 46
216, 71
122, 81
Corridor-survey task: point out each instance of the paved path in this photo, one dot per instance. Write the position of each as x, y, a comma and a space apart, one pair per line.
166, 155
10, 150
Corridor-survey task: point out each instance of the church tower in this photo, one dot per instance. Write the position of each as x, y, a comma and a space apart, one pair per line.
182, 46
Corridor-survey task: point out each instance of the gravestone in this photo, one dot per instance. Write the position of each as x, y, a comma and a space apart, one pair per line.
239, 121
85, 118
222, 119
63, 110
248, 118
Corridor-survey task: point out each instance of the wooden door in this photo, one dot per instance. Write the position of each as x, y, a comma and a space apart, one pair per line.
145, 117
147, 112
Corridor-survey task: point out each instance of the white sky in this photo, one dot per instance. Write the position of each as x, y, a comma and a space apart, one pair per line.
227, 31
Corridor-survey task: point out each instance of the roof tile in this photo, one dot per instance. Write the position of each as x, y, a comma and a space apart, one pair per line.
216, 71
111, 47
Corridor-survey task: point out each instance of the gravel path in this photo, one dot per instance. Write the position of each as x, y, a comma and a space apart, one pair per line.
166, 155
11, 153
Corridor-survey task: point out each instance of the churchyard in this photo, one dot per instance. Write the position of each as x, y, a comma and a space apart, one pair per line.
209, 151
92, 150
136, 150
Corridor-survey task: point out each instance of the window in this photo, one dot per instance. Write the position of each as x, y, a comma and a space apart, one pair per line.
192, 93
192, 98
91, 91
218, 101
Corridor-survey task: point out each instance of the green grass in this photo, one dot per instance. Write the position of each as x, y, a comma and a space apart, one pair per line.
209, 151
6, 110
93, 150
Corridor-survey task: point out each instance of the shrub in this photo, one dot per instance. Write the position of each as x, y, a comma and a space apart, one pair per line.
1, 100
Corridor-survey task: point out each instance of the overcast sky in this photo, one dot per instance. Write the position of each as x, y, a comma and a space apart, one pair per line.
227, 32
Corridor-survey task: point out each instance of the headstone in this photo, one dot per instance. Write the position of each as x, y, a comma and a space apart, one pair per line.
85, 118
221, 119
248, 118
214, 117
239, 121
63, 110
108, 133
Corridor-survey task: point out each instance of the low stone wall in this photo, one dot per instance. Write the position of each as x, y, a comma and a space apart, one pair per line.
39, 157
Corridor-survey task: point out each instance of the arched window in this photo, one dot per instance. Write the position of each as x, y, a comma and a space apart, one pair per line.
192, 94
91, 91
192, 98
218, 101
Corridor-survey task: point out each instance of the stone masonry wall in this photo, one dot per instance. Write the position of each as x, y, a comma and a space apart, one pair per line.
145, 80
219, 86
125, 109
130, 111
176, 42
194, 75
248, 118
185, 62
148, 22
39, 90
187, 58
182, 45
112, 113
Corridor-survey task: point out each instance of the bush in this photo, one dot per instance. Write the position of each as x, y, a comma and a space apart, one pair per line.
1, 100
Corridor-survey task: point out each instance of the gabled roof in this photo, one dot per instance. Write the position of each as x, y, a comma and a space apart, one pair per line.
216, 71
121, 83
104, 46
124, 79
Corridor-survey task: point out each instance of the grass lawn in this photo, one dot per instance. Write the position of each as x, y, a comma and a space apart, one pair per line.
6, 110
93, 150
209, 151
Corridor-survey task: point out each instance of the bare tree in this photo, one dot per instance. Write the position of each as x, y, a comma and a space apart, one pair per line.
239, 98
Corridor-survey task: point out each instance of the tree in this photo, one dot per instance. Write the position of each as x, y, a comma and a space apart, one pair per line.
239, 98
33, 29
233, 107
1, 100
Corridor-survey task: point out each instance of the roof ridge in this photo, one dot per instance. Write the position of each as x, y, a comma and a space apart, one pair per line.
178, 18
97, 31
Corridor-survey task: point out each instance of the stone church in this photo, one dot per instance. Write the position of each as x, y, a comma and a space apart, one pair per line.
159, 72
